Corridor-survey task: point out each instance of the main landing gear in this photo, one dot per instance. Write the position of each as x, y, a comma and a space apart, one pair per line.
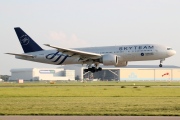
93, 69
160, 65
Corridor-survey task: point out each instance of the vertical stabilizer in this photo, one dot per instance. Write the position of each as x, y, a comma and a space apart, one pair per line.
28, 44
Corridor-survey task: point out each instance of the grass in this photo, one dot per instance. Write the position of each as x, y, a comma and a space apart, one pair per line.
90, 106
89, 83
92, 98
89, 91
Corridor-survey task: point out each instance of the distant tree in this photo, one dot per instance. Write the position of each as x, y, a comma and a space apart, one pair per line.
5, 77
77, 77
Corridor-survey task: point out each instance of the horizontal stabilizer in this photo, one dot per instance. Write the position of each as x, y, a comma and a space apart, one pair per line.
21, 55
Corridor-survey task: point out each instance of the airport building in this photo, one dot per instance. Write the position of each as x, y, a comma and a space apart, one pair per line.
129, 73
72, 72
40, 74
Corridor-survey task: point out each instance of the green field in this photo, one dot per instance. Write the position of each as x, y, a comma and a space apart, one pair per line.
91, 98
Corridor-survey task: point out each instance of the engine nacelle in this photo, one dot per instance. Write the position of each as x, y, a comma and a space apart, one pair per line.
122, 64
109, 59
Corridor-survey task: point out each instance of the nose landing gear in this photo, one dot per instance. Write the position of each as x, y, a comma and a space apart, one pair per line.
160, 65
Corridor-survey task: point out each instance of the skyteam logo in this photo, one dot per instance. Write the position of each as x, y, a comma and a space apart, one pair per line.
57, 58
24, 39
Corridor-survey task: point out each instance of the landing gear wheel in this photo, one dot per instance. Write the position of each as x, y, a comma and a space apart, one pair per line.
93, 69
86, 70
160, 65
99, 69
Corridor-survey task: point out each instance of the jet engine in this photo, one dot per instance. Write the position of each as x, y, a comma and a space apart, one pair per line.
109, 59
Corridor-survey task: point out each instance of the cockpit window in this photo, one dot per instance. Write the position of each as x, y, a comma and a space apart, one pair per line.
169, 48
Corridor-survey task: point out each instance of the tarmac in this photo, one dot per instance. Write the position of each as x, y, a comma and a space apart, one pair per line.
89, 118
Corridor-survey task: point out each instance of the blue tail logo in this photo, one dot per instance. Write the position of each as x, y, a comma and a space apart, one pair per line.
24, 39
27, 43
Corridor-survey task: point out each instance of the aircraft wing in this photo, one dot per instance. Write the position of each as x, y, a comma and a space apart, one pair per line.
21, 55
71, 52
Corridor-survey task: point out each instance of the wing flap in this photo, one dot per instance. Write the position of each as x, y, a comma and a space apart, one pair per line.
72, 52
21, 55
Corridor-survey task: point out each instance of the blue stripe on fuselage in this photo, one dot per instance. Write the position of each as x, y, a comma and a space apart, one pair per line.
58, 58
54, 54
63, 59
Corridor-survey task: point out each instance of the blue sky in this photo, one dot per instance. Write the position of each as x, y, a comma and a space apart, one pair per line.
81, 23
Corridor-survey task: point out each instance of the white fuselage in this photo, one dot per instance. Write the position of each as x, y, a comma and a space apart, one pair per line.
126, 53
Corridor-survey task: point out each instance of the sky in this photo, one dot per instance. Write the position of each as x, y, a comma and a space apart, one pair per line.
83, 23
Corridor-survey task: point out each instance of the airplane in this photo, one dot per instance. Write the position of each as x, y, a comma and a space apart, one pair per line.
118, 56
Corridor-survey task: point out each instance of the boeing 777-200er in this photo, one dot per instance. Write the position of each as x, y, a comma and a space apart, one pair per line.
117, 56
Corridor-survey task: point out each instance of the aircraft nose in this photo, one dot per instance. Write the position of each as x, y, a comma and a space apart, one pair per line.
171, 53
174, 52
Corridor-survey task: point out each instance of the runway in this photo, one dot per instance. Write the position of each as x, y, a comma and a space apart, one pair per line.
89, 118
